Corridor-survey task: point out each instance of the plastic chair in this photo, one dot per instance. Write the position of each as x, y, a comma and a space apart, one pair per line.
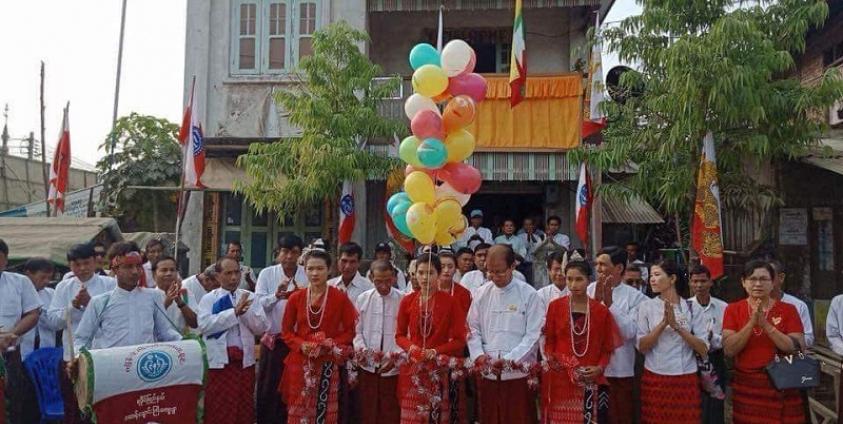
43, 368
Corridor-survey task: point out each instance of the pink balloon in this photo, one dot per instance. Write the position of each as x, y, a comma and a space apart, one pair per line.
471, 84
463, 177
427, 124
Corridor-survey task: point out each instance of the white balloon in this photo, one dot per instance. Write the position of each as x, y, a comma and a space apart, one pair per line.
445, 191
417, 103
456, 56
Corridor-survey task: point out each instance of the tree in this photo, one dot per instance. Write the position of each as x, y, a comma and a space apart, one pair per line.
335, 107
147, 154
711, 65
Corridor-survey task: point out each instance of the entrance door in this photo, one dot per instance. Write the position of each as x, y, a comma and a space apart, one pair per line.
497, 207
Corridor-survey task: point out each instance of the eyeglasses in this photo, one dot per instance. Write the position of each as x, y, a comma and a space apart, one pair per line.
759, 279
498, 273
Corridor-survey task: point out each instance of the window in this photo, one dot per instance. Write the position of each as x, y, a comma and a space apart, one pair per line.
492, 46
271, 36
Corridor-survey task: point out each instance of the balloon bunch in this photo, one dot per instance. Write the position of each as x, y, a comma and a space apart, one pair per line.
437, 181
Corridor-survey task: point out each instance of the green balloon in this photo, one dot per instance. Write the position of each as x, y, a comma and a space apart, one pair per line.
407, 151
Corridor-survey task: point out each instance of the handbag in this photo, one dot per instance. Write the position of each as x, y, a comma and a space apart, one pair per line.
796, 371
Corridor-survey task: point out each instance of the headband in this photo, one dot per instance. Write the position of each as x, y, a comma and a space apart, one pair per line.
131, 258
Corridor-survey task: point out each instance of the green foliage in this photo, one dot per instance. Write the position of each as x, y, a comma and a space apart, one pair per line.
711, 65
335, 107
147, 154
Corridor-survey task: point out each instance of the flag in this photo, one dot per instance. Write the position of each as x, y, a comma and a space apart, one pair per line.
596, 120
193, 149
60, 166
393, 185
706, 233
584, 198
518, 59
346, 226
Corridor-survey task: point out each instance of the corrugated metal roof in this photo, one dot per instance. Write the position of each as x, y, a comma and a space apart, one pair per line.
433, 5
629, 211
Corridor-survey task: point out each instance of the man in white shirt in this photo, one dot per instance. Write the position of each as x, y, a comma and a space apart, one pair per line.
201, 284
713, 310
622, 301
20, 307
229, 320
350, 281
531, 238
178, 303
505, 321
153, 250
465, 263
804, 313
475, 233
275, 284
234, 250
509, 237
834, 325
558, 287
476, 278
383, 251
374, 342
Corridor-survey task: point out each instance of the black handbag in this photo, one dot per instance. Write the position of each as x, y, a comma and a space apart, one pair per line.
797, 371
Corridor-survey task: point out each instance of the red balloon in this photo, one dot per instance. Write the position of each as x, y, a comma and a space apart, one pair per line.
427, 124
463, 177
435, 174
472, 85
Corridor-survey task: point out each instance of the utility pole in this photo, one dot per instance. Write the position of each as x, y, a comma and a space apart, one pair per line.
43, 148
117, 85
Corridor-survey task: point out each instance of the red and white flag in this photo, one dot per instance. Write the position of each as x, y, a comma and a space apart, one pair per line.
584, 201
60, 166
193, 148
706, 230
346, 213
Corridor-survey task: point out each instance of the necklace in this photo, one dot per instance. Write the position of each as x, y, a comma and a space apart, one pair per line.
320, 311
584, 329
426, 317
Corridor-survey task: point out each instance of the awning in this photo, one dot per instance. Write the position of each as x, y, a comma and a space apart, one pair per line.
52, 237
221, 173
433, 5
629, 211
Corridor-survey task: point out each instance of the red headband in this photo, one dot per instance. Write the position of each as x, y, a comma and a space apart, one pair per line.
131, 258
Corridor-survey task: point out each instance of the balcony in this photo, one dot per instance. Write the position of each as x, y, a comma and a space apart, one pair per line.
433, 5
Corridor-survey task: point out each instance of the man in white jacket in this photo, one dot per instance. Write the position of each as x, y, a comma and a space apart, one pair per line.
229, 319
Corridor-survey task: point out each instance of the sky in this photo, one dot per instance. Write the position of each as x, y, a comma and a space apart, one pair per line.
78, 42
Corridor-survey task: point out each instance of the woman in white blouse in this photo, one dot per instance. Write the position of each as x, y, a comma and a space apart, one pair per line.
668, 326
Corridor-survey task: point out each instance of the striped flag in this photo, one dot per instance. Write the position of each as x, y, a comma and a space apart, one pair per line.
193, 149
518, 59
584, 201
706, 233
596, 120
60, 167
346, 227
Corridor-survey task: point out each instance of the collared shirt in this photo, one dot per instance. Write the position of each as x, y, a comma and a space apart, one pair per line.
358, 285
124, 318
469, 232
376, 323
194, 289
515, 242
175, 314
804, 316
834, 325
505, 323
17, 297
267, 285
713, 313
671, 354
550, 293
239, 331
530, 242
473, 280
624, 309
44, 331
65, 292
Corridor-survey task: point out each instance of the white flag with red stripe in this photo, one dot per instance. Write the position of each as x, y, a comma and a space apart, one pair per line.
346, 226
61, 166
193, 149
584, 201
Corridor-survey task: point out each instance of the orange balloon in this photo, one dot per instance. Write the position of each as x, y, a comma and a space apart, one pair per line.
444, 97
459, 113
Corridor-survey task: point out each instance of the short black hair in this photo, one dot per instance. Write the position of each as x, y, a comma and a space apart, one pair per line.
430, 258
154, 242
121, 248
617, 256
482, 246
234, 242
162, 259
464, 251
81, 251
4, 248
754, 264
38, 264
351, 248
290, 241
582, 266
554, 218
700, 269
557, 256
319, 254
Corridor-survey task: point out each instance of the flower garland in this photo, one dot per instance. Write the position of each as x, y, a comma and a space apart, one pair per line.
322, 349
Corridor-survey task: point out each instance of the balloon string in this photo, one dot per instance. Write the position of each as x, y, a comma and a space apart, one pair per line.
427, 311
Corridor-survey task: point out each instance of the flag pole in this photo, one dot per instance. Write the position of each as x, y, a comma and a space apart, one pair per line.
43, 148
182, 204
117, 84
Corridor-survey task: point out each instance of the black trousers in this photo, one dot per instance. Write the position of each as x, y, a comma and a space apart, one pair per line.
20, 392
270, 408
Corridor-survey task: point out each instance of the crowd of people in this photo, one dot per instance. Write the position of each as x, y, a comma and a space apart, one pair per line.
461, 336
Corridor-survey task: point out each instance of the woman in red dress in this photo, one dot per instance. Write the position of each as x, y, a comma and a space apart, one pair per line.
458, 388
754, 329
580, 336
318, 327
430, 323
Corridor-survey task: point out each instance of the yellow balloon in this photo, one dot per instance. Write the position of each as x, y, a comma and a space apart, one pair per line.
419, 186
447, 213
422, 222
460, 227
444, 238
430, 81
460, 145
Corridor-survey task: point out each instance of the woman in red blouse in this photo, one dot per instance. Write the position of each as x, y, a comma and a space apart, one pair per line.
447, 284
318, 327
580, 336
754, 329
430, 323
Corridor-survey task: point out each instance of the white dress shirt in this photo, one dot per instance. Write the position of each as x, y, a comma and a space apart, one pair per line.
376, 323
267, 285
515, 242
17, 297
550, 293
45, 331
469, 232
194, 289
65, 292
834, 325
804, 316
473, 280
239, 331
624, 309
505, 323
174, 313
359, 284
713, 313
671, 355
149, 275
124, 318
